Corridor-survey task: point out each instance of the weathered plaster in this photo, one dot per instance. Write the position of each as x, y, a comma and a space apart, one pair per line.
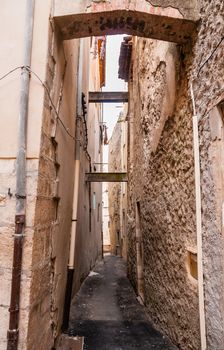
12, 41
128, 17
161, 180
89, 230
208, 87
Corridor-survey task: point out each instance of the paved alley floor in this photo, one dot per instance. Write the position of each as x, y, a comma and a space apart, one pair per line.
107, 314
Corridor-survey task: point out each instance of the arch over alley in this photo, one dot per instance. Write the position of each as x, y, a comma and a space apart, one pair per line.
140, 18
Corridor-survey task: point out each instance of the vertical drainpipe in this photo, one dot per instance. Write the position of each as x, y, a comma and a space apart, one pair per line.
199, 225
13, 331
71, 262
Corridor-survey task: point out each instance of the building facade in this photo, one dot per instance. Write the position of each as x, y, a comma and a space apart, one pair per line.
59, 84
174, 241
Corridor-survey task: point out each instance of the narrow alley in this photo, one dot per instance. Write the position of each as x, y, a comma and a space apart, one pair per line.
107, 314
112, 175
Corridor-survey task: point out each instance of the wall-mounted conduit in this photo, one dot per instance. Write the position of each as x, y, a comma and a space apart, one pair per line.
199, 225
20, 218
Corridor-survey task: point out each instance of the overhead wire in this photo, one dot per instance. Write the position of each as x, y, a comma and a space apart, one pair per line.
10, 72
48, 93
210, 56
49, 96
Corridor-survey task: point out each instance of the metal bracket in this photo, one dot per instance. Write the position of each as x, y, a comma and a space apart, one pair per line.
18, 196
20, 222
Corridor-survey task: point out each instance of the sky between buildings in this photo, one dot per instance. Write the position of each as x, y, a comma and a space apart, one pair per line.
111, 113
112, 110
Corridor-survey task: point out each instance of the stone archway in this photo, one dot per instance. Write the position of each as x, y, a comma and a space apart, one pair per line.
168, 22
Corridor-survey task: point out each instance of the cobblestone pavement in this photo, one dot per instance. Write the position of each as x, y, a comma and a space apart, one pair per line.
108, 315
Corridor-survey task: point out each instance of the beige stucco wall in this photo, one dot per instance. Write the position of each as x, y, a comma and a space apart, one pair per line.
12, 44
11, 57
89, 226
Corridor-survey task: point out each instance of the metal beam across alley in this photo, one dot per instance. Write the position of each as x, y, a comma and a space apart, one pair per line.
108, 97
106, 177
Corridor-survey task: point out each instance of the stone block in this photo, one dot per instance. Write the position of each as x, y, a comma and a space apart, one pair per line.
70, 343
47, 167
41, 282
5, 277
2, 200
4, 317
41, 245
27, 249
23, 326
44, 338
5, 292
45, 211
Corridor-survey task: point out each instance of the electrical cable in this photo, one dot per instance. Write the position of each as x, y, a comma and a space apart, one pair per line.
10, 72
210, 56
49, 96
48, 93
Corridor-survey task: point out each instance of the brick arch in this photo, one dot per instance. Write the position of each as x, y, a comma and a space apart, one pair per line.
133, 17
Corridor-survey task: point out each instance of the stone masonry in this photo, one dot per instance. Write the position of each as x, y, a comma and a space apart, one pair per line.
161, 180
161, 177
160, 156
114, 189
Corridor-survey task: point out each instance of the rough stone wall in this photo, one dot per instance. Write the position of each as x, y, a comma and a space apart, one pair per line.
53, 212
166, 190
55, 194
138, 18
207, 72
114, 189
161, 179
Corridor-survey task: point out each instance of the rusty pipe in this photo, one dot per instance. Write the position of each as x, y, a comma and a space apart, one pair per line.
13, 331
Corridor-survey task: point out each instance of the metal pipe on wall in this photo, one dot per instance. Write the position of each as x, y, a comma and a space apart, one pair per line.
199, 225
71, 262
13, 331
